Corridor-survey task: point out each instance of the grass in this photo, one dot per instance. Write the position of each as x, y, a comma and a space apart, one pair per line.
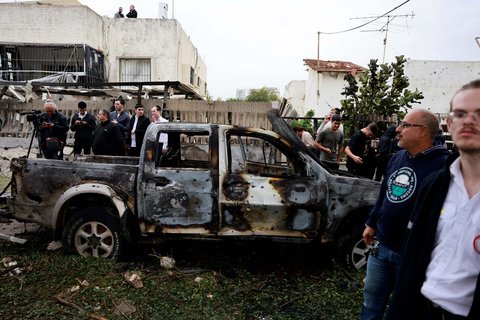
210, 281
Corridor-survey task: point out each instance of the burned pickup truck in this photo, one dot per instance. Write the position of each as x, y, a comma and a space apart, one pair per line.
214, 182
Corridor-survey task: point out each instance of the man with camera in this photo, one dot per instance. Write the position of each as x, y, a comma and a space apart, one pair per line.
53, 131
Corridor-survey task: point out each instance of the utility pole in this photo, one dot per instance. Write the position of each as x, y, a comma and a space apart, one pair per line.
385, 27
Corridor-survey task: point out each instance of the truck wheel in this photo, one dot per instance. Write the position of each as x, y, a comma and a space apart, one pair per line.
93, 233
352, 251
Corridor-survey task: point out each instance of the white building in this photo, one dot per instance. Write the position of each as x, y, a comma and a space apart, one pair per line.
39, 38
322, 90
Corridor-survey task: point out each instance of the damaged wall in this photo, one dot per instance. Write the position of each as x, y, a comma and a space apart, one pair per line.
439, 80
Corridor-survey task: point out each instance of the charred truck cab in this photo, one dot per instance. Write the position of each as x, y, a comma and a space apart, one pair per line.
201, 181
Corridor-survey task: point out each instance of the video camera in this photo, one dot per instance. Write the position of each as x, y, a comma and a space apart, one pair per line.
33, 117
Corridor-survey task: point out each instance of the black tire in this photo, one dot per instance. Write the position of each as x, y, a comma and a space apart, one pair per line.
92, 232
352, 252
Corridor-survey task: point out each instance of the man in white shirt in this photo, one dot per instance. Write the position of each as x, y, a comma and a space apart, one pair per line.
439, 277
156, 117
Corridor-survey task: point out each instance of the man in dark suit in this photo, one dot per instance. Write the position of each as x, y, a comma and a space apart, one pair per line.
136, 131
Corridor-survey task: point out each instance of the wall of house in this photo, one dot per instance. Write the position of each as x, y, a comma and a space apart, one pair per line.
295, 95
50, 24
439, 80
152, 39
322, 91
190, 57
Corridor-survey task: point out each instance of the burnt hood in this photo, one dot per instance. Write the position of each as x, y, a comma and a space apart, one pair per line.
286, 131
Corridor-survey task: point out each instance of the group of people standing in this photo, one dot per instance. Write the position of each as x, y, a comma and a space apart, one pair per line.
362, 158
131, 14
116, 132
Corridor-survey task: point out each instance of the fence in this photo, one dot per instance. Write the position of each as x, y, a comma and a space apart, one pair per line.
245, 114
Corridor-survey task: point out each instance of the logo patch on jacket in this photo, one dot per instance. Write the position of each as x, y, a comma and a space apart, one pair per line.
401, 185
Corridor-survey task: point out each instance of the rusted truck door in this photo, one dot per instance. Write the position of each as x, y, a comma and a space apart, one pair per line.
265, 189
176, 183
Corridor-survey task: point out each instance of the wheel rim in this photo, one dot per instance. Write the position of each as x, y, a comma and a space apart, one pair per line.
94, 239
359, 254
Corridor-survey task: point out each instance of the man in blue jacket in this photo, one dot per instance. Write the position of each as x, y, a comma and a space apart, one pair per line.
439, 277
388, 220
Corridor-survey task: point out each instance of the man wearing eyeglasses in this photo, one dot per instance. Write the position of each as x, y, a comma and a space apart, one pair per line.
439, 277
387, 223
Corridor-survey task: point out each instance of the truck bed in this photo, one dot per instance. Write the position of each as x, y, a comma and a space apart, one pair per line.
37, 184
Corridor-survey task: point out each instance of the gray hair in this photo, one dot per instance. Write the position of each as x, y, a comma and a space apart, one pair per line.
430, 121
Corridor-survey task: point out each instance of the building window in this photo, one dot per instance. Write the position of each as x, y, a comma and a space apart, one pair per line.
192, 76
135, 70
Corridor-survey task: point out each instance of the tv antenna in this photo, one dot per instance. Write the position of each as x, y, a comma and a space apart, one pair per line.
385, 27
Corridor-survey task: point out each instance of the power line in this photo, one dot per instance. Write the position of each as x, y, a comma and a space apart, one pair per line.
366, 23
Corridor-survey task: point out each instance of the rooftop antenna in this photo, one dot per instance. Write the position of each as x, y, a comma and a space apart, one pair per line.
385, 27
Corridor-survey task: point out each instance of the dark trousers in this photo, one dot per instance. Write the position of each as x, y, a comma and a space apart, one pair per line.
134, 151
82, 144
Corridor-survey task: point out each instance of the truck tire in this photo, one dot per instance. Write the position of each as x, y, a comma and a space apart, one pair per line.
92, 232
352, 252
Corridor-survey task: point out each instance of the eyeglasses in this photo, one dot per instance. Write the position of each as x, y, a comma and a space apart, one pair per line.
461, 115
408, 125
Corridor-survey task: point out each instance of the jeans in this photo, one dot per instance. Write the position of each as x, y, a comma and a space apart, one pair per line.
382, 270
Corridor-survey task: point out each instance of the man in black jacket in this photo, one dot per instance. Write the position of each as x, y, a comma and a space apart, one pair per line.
132, 13
53, 131
439, 276
136, 129
121, 119
83, 124
106, 136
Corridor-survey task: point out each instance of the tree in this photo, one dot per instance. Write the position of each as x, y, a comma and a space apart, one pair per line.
306, 123
234, 100
382, 91
263, 95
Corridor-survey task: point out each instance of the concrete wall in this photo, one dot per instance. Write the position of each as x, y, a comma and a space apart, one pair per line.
153, 39
439, 80
295, 94
321, 92
50, 24
163, 41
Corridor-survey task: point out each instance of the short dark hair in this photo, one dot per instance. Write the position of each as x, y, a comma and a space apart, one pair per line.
337, 117
82, 105
138, 106
298, 128
373, 127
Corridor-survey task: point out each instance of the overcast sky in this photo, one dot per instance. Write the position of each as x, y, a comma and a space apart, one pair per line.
256, 43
